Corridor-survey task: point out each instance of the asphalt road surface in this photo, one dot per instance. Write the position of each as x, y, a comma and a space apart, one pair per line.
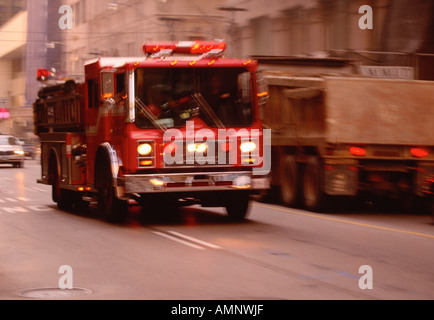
197, 253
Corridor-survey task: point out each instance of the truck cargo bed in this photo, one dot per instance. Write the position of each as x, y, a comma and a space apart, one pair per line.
379, 111
348, 109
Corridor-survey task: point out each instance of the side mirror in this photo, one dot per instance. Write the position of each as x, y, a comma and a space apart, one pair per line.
262, 88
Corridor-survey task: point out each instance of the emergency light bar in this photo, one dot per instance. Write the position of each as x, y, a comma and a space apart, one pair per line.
186, 47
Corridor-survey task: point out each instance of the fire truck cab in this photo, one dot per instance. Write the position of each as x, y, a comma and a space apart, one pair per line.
178, 126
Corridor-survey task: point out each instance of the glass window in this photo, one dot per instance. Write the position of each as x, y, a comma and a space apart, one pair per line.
9, 141
107, 87
120, 82
221, 97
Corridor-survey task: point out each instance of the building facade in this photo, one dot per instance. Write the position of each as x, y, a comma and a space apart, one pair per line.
13, 38
401, 33
399, 28
25, 31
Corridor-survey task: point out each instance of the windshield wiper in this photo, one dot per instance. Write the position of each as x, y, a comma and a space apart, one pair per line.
149, 115
208, 111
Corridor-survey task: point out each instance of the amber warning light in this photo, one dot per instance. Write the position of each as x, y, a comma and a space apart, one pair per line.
186, 47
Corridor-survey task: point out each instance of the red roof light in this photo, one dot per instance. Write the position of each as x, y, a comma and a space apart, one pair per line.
187, 47
43, 74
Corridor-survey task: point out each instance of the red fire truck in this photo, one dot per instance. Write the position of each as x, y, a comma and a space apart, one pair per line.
177, 126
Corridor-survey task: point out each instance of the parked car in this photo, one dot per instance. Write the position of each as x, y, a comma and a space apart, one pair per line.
29, 148
11, 151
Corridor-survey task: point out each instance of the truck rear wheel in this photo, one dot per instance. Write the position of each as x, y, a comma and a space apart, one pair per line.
313, 195
59, 195
237, 206
112, 208
288, 181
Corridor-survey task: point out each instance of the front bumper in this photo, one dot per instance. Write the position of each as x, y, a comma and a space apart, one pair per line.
187, 182
11, 158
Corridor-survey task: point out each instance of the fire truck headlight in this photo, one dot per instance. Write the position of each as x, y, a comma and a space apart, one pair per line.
248, 146
144, 149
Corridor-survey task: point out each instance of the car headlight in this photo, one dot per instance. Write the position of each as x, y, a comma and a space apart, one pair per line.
19, 152
249, 146
144, 149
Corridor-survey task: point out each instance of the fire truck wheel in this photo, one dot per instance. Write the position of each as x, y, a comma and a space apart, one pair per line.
237, 207
112, 208
78, 202
288, 181
313, 196
59, 195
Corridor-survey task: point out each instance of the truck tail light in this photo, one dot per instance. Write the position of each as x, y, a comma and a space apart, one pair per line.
358, 151
419, 152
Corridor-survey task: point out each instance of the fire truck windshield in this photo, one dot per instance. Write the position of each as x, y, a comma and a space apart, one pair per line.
167, 98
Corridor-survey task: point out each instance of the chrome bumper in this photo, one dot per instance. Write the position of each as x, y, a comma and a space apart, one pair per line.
185, 182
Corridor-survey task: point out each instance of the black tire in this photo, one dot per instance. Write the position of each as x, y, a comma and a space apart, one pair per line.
18, 164
59, 195
289, 181
314, 198
78, 202
237, 207
113, 209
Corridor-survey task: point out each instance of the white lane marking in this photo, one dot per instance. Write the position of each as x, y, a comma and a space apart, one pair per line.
37, 189
178, 240
33, 189
207, 244
13, 199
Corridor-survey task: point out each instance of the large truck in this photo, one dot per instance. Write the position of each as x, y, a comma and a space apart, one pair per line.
177, 126
429, 195
337, 134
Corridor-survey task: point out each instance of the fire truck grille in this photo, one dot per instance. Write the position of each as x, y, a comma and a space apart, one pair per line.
199, 154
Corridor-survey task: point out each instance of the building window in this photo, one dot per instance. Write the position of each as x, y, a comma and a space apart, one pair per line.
79, 12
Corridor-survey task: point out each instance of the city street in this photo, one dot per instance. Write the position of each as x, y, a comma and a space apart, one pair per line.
198, 253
